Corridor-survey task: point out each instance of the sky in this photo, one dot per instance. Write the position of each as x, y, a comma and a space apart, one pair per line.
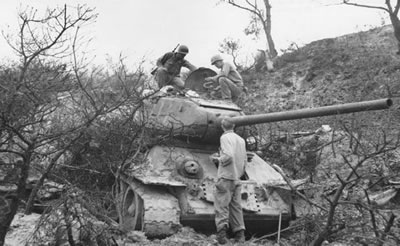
147, 29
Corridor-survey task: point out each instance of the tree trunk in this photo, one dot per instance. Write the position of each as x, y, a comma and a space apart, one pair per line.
267, 29
32, 196
269, 63
396, 28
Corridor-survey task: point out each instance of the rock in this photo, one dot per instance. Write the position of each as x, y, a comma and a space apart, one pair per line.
21, 229
135, 237
383, 197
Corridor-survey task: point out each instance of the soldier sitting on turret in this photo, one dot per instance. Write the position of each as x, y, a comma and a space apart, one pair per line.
228, 78
169, 68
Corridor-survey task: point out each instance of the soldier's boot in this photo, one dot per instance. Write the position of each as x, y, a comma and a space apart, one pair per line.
239, 236
221, 236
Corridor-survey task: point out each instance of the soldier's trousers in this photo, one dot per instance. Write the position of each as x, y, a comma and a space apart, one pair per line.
229, 89
163, 78
228, 210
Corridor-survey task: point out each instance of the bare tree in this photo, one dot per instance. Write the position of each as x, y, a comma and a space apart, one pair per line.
260, 14
230, 47
392, 11
355, 177
52, 112
30, 95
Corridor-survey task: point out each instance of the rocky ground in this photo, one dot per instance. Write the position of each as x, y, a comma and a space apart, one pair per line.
351, 68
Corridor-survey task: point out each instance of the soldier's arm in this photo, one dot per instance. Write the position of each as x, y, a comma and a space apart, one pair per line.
189, 66
223, 73
224, 70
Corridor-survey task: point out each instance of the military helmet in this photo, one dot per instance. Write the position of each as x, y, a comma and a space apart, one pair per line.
183, 49
216, 58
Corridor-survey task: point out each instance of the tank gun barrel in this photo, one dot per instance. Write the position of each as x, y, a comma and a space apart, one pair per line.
313, 112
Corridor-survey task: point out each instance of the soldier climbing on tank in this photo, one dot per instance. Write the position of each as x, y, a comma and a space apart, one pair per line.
232, 161
169, 68
229, 79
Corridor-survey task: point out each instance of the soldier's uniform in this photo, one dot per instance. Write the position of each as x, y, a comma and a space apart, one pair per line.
227, 193
169, 68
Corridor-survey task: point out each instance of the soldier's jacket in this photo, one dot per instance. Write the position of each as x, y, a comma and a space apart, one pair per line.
173, 64
233, 156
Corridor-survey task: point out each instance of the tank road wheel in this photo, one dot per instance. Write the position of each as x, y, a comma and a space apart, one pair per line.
132, 211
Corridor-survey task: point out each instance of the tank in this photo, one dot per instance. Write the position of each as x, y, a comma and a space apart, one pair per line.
173, 185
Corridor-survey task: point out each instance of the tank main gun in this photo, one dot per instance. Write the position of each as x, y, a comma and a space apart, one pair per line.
313, 112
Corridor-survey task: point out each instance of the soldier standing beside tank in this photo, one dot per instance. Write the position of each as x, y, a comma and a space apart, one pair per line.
228, 78
169, 68
227, 194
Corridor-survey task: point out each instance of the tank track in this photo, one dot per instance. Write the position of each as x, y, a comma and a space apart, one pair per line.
161, 209
161, 214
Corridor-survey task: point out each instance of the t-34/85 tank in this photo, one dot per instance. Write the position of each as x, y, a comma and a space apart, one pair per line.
173, 184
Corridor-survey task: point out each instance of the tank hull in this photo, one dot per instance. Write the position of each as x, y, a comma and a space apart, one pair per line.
171, 198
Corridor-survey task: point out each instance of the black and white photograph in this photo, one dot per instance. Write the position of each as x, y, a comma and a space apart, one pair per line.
208, 122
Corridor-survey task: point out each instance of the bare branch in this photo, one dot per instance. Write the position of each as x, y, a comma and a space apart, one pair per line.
347, 2
233, 3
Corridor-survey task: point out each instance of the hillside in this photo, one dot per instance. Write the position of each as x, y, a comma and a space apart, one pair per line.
350, 68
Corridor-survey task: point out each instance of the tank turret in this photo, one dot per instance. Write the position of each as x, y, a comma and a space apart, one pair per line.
199, 119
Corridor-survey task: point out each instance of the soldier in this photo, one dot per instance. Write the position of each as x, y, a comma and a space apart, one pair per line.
229, 79
169, 68
227, 195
